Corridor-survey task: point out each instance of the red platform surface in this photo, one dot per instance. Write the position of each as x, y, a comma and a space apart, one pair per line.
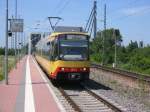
42, 97
8, 93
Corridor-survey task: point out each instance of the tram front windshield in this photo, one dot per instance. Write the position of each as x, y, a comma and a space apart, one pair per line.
74, 48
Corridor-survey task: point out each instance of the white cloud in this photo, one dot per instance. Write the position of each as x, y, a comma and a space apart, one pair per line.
136, 10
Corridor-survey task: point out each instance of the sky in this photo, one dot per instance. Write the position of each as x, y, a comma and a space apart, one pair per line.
132, 17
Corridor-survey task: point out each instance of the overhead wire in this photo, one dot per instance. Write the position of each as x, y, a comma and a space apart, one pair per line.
87, 24
128, 4
60, 11
91, 28
120, 8
57, 7
126, 16
62, 4
133, 14
91, 22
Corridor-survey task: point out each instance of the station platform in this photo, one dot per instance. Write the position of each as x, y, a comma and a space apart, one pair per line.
28, 90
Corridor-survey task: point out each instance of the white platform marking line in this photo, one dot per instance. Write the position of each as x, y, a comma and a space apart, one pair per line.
50, 89
29, 99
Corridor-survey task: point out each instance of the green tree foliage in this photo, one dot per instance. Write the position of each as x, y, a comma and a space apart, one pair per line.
2, 51
139, 60
109, 43
141, 44
132, 45
10, 51
134, 56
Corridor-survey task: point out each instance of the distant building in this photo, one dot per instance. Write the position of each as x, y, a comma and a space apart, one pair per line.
35, 38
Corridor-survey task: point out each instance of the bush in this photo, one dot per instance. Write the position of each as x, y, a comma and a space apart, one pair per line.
1, 77
95, 57
147, 72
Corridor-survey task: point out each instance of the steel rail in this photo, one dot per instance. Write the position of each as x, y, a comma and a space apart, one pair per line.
98, 97
122, 72
72, 103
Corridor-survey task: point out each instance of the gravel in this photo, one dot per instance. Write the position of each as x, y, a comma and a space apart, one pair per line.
132, 99
61, 98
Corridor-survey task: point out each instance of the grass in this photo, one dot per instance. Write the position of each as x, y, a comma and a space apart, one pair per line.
135, 69
128, 68
11, 63
1, 67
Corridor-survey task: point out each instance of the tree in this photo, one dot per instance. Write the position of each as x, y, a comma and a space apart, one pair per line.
132, 45
135, 56
2, 51
109, 45
141, 44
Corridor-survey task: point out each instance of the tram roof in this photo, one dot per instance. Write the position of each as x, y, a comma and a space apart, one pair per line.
76, 33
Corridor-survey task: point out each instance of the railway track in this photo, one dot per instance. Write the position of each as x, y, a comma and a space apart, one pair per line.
82, 99
122, 72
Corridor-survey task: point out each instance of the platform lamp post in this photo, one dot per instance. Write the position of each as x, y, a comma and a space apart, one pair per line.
6, 45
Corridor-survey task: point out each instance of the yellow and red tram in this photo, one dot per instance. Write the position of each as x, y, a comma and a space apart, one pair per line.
65, 55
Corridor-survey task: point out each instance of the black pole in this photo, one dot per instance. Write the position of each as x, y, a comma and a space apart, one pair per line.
15, 36
95, 18
104, 35
6, 45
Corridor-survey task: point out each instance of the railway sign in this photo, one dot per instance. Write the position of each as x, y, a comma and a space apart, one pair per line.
16, 25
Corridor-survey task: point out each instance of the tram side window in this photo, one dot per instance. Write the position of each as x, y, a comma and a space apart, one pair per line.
44, 51
49, 47
56, 50
47, 50
51, 51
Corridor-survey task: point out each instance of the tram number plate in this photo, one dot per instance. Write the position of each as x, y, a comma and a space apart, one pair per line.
75, 76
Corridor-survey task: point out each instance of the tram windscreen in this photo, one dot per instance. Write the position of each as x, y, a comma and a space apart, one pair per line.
74, 49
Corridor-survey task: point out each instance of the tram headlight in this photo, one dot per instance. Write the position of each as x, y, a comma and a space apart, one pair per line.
62, 69
84, 69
